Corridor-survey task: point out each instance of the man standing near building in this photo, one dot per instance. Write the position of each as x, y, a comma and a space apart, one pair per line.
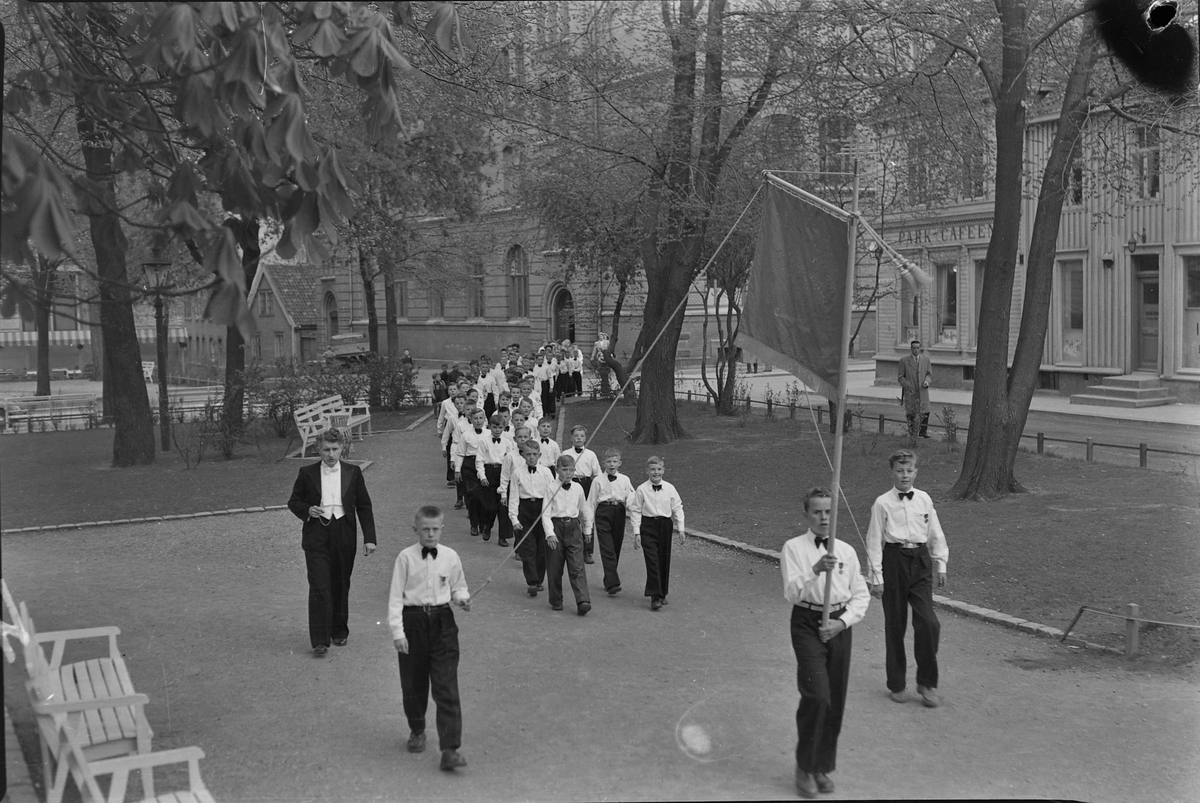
915, 375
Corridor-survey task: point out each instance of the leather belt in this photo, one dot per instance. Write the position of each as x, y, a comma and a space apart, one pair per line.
426, 608
814, 606
906, 544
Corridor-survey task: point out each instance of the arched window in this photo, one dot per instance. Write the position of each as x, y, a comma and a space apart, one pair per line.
517, 268
331, 315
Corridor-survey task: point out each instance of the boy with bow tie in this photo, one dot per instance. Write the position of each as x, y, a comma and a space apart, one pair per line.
489, 464
655, 509
549, 446
822, 651
528, 486
608, 497
904, 544
587, 468
563, 506
428, 577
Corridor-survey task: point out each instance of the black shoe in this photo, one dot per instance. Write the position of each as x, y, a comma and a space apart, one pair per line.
416, 742
806, 785
584, 607
557, 607
540, 587
824, 784
320, 650
588, 559
487, 535
614, 591
532, 590
503, 542
451, 484
474, 531
451, 760
340, 642
655, 604
458, 505
663, 600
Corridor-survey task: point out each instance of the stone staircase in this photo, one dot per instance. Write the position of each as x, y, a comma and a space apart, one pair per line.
1130, 390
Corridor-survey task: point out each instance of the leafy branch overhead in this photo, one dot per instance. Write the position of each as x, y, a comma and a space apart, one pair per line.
200, 100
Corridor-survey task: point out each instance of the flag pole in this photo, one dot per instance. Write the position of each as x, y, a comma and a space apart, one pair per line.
843, 359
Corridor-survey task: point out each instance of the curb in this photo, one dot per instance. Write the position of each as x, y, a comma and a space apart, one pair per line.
20, 782
945, 603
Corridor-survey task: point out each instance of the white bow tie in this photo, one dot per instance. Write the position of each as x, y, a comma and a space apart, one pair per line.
326, 470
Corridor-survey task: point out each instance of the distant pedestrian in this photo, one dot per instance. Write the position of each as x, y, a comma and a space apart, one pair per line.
328, 496
656, 509
905, 544
426, 579
915, 375
822, 652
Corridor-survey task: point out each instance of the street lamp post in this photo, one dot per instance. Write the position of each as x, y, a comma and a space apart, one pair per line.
156, 277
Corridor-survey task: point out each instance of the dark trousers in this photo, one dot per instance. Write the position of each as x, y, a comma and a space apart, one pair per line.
489, 405
532, 549
449, 459
610, 534
923, 427
655, 534
822, 674
547, 399
569, 552
329, 566
577, 381
908, 580
431, 664
489, 498
589, 547
471, 490
562, 385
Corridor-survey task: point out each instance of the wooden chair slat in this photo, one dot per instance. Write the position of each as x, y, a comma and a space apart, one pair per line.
125, 724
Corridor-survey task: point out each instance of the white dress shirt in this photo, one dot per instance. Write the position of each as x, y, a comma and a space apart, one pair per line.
904, 521
550, 452
559, 502
802, 584
467, 445
331, 491
619, 490
648, 502
454, 427
524, 485
424, 581
489, 451
586, 462
446, 412
511, 462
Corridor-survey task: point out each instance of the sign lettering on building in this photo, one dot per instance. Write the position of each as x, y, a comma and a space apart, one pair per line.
956, 232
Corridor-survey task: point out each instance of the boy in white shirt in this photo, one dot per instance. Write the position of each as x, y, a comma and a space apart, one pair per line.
608, 498
529, 484
549, 446
491, 453
587, 466
563, 508
466, 469
655, 509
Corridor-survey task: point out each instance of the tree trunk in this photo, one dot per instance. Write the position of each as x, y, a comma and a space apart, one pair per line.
725, 402
992, 449
43, 299
133, 438
234, 398
365, 271
390, 313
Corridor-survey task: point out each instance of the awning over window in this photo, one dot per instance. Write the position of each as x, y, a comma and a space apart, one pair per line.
146, 334
77, 337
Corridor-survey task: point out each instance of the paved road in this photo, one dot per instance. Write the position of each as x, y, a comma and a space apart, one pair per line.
559, 707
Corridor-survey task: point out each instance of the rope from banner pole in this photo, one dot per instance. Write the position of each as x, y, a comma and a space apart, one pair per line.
632, 374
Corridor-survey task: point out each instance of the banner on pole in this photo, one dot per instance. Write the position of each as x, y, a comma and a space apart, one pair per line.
793, 310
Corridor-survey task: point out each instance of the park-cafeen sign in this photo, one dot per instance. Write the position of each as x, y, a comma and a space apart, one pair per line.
957, 232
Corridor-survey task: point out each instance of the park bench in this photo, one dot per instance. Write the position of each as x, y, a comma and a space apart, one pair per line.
95, 699
148, 371
71, 761
313, 419
22, 412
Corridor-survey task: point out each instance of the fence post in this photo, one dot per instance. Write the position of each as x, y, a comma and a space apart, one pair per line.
1041, 442
1142, 455
1089, 450
882, 418
689, 394
820, 416
769, 413
1131, 630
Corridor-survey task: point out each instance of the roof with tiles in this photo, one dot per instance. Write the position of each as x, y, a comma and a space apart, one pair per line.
295, 287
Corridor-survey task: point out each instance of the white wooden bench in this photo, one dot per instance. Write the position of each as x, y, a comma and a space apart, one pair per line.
148, 371
95, 698
21, 412
72, 762
313, 419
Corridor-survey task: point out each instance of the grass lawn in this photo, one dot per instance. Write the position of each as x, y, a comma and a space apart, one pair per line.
67, 478
1086, 533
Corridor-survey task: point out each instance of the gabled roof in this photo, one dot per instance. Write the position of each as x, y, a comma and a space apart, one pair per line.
295, 289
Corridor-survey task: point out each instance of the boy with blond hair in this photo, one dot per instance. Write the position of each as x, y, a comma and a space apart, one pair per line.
656, 509
608, 498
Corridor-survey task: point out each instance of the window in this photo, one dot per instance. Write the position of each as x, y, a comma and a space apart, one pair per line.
66, 302
974, 174
1071, 276
256, 351
1146, 162
402, 298
475, 291
517, 267
266, 303
910, 314
1074, 194
919, 168
437, 303
279, 345
331, 315
1191, 315
947, 304
834, 134
1191, 270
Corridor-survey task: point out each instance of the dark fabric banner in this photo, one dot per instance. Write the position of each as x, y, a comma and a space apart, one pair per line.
795, 297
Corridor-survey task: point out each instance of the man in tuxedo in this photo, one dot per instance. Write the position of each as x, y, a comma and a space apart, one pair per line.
326, 497
915, 376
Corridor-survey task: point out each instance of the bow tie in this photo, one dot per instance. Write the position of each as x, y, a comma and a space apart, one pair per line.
566, 486
820, 542
533, 469
578, 450
426, 551
656, 487
612, 477
495, 440
545, 440
328, 469
479, 432
903, 495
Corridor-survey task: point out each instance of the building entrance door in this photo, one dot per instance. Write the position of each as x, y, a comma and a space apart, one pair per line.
562, 326
1146, 340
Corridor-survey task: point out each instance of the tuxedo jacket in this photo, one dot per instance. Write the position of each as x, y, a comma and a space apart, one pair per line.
356, 503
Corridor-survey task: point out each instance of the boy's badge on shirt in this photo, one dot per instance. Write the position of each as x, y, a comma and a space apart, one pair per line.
445, 581
926, 518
